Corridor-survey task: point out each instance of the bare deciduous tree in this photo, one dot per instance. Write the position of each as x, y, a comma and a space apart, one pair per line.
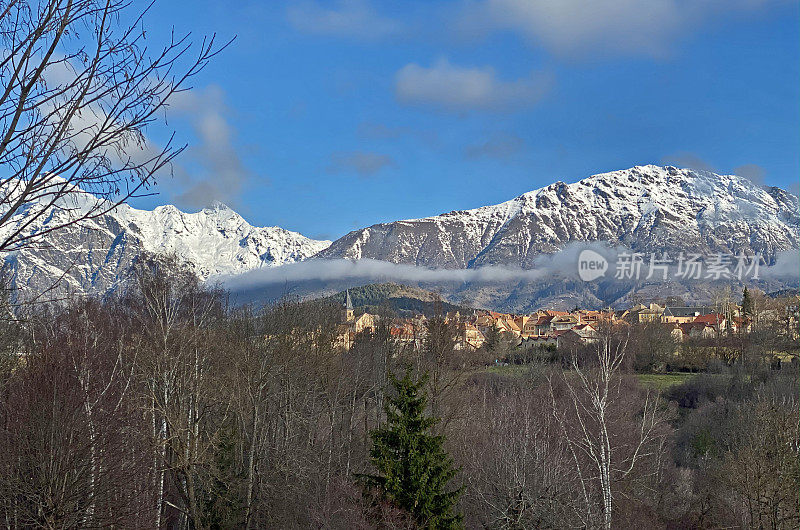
79, 87
517, 468
607, 443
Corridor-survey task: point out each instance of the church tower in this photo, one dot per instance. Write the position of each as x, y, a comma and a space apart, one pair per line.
348, 308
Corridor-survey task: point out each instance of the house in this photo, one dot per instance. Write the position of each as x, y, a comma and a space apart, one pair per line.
586, 332
684, 314
529, 327
714, 320
364, 322
484, 321
539, 340
564, 339
405, 332
563, 322
742, 324
594, 317
643, 313
510, 325
676, 332
701, 327
472, 336
542, 325
697, 330
402, 332
504, 323
579, 335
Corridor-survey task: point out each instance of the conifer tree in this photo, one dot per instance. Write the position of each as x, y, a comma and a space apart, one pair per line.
492, 339
747, 303
222, 504
413, 468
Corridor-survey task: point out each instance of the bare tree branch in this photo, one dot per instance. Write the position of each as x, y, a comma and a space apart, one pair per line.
79, 91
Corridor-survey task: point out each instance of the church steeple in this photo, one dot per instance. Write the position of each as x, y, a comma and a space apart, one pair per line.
348, 307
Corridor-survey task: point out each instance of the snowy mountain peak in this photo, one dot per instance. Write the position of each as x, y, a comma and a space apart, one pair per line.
647, 208
216, 206
95, 256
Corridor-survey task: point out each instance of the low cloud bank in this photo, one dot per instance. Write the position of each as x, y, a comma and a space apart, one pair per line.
787, 266
562, 264
375, 270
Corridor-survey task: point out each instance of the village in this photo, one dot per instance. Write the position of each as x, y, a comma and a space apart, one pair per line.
557, 329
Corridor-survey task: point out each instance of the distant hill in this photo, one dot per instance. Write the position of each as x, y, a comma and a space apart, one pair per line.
784, 293
401, 299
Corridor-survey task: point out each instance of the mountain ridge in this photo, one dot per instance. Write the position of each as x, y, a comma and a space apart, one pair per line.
645, 208
93, 257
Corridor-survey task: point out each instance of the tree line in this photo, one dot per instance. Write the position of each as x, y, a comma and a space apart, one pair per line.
165, 407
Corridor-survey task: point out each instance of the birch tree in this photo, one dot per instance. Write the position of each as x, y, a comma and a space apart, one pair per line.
183, 375
608, 437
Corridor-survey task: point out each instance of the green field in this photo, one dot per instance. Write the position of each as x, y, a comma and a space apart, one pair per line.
511, 369
655, 381
663, 381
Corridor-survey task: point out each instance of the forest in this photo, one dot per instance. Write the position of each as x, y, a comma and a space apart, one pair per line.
165, 407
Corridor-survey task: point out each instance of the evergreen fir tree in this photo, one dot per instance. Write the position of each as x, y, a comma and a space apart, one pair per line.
221, 498
413, 468
747, 304
492, 339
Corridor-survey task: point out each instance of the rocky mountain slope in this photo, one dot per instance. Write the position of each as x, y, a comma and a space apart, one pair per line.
645, 208
95, 256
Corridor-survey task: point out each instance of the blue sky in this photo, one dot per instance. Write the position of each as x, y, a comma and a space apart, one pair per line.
323, 117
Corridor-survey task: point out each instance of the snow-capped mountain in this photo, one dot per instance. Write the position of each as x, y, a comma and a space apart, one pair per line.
96, 255
645, 208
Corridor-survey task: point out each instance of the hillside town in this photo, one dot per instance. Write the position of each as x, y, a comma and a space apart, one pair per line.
547, 327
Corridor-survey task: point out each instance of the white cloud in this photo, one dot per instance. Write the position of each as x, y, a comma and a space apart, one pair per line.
213, 170
364, 163
456, 88
562, 263
787, 265
753, 172
372, 270
688, 160
208, 172
354, 19
500, 146
580, 27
